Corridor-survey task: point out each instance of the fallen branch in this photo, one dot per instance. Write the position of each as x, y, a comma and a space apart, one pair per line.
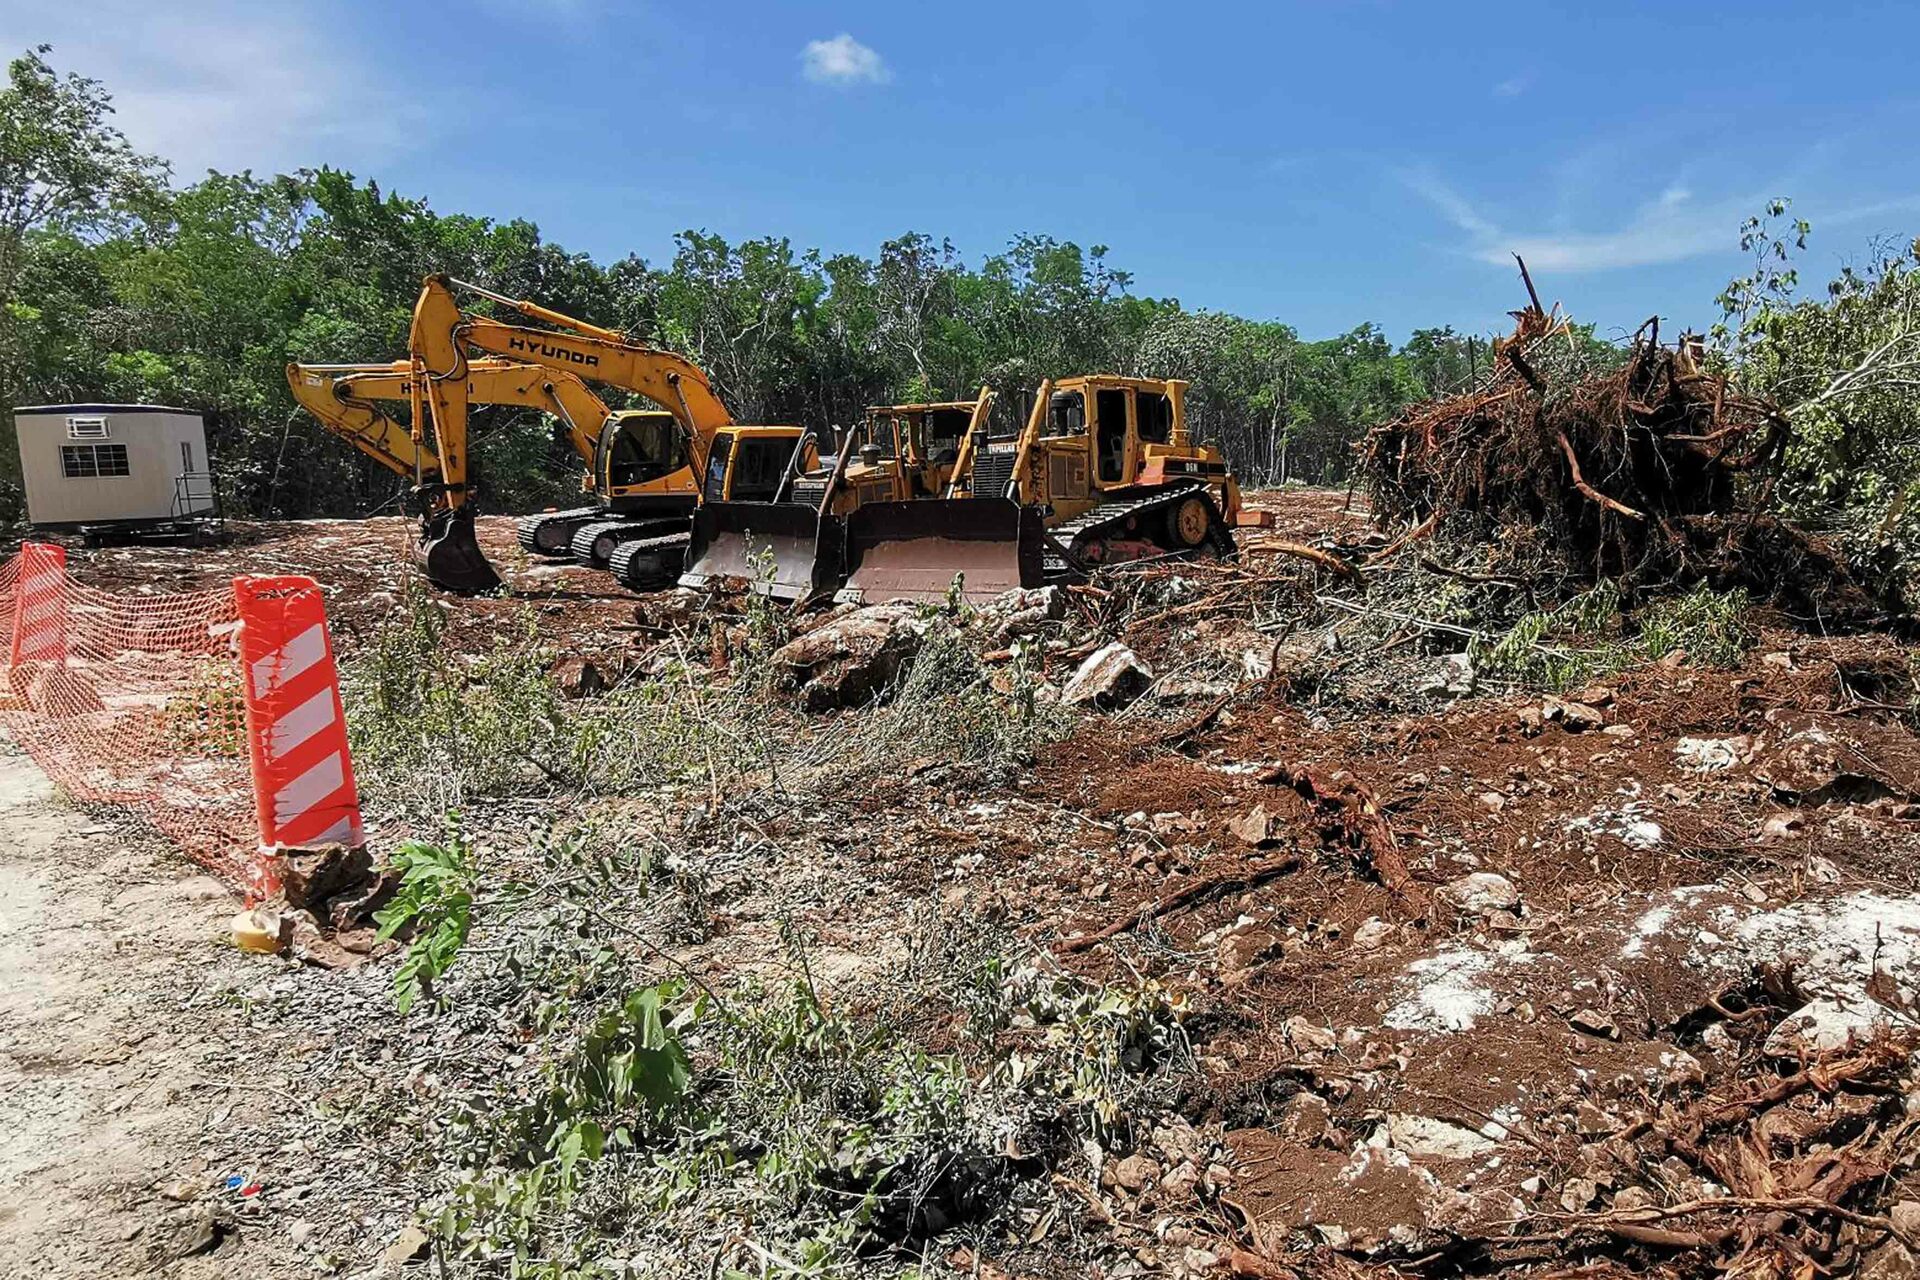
1501, 579
1642, 1219
1822, 1077
1349, 810
1405, 619
1178, 735
1419, 531
1227, 881
1593, 494
1324, 558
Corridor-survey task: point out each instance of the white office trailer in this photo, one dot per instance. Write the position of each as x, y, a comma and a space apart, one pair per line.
107, 468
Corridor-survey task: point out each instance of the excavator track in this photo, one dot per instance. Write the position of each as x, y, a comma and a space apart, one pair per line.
1072, 548
649, 564
594, 543
550, 533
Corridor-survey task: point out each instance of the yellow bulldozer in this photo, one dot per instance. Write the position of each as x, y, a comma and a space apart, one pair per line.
790, 547
1104, 470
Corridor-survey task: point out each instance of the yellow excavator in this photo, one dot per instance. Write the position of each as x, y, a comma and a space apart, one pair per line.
1104, 471
645, 468
791, 547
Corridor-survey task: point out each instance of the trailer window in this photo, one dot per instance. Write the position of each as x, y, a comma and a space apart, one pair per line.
87, 461
87, 429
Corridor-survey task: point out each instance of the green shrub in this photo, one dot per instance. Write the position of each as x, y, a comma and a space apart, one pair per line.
434, 729
1589, 637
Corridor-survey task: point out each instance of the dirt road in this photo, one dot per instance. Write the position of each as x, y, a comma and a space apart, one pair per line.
114, 1050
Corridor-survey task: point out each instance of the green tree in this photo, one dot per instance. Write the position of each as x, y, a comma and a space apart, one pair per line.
68, 178
1845, 369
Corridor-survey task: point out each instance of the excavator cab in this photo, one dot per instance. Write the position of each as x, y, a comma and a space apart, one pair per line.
638, 447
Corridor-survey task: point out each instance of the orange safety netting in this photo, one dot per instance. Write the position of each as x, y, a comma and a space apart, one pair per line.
134, 700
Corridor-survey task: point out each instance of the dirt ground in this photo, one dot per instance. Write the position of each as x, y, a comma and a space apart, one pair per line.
117, 1048
1472, 970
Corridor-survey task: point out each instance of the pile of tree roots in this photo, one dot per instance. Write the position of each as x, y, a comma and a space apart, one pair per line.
1651, 472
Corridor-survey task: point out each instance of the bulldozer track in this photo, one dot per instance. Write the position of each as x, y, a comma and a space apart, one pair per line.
650, 563
1066, 543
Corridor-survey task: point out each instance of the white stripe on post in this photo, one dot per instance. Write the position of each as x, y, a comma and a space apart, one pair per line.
345, 831
308, 790
44, 610
301, 723
290, 659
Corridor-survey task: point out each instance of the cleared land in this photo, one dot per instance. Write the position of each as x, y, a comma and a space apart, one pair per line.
1414, 967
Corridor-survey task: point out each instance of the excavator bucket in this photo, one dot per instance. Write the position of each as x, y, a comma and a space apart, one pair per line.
916, 550
450, 554
785, 549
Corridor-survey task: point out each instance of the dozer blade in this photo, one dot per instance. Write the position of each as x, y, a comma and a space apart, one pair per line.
782, 549
450, 554
915, 550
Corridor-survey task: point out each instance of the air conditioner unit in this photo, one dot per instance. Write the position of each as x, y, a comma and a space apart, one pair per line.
86, 428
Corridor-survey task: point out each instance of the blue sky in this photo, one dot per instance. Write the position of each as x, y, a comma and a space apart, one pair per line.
1319, 163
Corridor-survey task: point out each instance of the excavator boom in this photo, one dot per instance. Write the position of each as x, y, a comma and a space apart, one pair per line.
342, 397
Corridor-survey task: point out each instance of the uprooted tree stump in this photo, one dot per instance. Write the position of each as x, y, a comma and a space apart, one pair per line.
1648, 473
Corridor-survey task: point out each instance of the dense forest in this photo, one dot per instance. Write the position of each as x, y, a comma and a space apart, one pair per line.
120, 284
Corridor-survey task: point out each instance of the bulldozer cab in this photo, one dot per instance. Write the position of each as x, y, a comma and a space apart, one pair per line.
751, 464
1098, 430
637, 447
1104, 433
924, 443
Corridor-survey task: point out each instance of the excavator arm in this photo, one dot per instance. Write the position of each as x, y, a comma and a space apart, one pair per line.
343, 396
442, 332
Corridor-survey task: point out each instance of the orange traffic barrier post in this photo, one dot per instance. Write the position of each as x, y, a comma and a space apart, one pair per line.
303, 785
40, 605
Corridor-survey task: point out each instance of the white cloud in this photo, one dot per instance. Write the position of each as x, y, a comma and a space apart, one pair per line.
1667, 228
1514, 86
226, 86
1573, 221
843, 61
